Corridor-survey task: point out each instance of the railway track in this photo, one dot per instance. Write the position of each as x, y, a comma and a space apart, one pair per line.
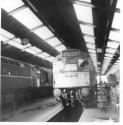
71, 114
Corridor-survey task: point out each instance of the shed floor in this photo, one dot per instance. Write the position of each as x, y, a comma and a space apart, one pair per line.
106, 114
40, 111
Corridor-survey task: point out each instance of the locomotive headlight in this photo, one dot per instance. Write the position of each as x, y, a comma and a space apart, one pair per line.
57, 93
57, 66
85, 92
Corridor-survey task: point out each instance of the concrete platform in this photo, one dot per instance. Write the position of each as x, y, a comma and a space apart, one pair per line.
40, 111
99, 115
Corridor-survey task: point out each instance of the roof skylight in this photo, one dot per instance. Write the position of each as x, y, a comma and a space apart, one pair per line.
27, 18
83, 13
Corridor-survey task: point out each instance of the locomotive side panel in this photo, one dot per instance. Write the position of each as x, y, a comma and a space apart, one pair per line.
21, 83
50, 78
15, 77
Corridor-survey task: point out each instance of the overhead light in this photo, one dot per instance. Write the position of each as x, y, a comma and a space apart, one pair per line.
43, 32
60, 48
54, 41
87, 29
99, 50
114, 35
110, 50
16, 44
17, 40
89, 39
83, 13
113, 44
27, 18
116, 21
10, 5
91, 46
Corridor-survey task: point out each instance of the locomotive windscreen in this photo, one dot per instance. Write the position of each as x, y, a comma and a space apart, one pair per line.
73, 53
70, 61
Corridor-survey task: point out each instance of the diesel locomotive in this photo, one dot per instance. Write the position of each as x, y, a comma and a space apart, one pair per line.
74, 77
22, 82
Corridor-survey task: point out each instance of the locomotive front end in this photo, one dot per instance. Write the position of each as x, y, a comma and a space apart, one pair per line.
71, 74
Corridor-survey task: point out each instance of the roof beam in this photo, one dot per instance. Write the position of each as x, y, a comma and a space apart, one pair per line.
15, 27
94, 26
83, 3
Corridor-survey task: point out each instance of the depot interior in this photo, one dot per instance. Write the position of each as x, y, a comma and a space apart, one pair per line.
36, 31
